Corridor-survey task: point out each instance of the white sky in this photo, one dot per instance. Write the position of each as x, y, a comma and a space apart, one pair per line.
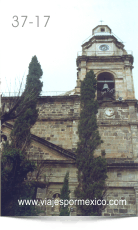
57, 44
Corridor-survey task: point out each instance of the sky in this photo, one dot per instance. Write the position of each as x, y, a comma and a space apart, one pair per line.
57, 44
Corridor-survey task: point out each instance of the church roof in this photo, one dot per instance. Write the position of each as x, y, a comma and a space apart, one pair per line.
42, 141
102, 31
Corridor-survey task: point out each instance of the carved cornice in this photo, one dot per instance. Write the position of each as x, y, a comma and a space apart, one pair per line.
115, 122
47, 162
48, 98
123, 166
113, 103
97, 39
104, 59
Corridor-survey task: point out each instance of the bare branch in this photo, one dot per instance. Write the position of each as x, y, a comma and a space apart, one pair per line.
26, 98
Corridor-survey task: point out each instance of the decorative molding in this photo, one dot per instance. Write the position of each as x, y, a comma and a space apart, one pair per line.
104, 59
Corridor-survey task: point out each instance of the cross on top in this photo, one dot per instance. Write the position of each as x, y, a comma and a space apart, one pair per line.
101, 21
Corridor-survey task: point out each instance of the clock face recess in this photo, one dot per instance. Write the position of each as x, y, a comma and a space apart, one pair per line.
103, 47
109, 112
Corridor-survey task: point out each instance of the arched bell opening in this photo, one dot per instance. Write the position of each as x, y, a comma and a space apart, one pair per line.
105, 86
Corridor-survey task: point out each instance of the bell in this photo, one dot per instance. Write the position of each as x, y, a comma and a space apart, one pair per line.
105, 86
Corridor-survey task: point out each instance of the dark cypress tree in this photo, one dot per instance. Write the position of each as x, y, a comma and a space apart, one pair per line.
21, 130
64, 211
14, 164
91, 170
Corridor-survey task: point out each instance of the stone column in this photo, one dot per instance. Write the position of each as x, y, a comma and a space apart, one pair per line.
75, 137
83, 70
134, 128
132, 111
80, 75
129, 81
136, 194
134, 136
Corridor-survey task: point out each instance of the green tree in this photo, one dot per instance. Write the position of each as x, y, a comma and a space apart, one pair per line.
19, 104
91, 170
64, 211
14, 163
21, 130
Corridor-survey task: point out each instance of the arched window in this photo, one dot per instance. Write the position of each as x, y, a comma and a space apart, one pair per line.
56, 198
105, 86
3, 138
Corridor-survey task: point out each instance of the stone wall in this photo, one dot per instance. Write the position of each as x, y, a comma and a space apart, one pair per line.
117, 141
58, 121
55, 173
118, 127
120, 202
58, 132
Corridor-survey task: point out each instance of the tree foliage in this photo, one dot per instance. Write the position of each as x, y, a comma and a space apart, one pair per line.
19, 104
14, 169
64, 211
21, 130
91, 170
14, 164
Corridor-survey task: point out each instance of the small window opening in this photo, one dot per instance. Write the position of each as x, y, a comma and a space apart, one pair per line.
102, 29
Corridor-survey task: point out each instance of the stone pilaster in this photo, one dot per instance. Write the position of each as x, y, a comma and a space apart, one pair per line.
136, 194
132, 111
129, 81
134, 136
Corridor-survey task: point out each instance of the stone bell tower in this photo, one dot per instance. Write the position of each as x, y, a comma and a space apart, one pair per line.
104, 53
117, 116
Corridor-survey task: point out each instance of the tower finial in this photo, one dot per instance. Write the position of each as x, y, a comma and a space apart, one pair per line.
101, 21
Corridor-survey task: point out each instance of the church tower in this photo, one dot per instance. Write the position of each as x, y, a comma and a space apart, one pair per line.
117, 116
104, 53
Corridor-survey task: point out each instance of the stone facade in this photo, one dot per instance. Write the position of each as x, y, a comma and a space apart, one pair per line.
54, 136
58, 120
